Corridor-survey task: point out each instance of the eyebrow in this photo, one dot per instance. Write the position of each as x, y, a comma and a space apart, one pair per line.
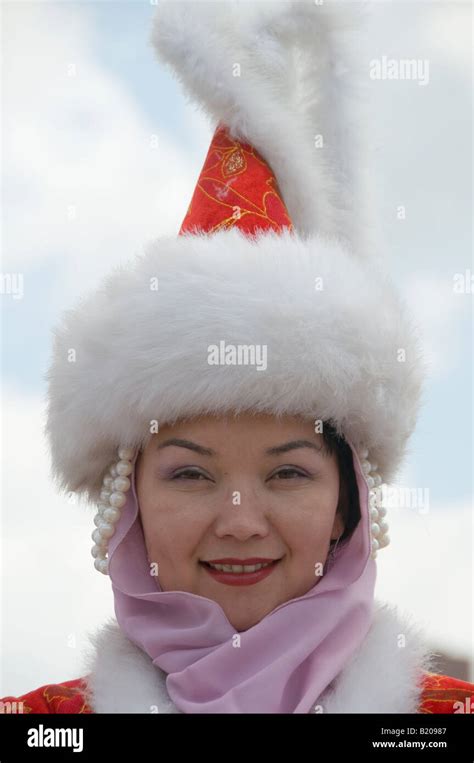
294, 445
275, 451
187, 444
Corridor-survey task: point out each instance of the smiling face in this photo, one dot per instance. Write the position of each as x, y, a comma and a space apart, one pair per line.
242, 488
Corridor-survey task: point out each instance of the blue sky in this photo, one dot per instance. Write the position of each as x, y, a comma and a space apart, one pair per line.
84, 142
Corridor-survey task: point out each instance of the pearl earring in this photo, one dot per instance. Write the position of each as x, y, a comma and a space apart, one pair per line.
112, 499
378, 524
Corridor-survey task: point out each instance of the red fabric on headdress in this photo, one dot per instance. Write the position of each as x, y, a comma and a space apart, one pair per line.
236, 187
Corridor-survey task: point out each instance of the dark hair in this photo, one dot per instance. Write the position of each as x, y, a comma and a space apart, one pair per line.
349, 504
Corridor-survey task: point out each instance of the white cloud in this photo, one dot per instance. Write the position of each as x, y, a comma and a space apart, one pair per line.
51, 594
427, 568
440, 313
448, 29
83, 182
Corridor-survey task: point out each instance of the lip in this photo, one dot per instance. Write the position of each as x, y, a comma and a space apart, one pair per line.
232, 560
240, 578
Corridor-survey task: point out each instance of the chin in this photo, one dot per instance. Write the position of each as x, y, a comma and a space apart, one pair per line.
241, 627
247, 618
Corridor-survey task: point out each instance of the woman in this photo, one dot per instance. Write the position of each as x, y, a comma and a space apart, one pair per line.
233, 400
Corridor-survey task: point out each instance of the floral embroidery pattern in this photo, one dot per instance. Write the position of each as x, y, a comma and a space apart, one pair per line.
439, 693
236, 187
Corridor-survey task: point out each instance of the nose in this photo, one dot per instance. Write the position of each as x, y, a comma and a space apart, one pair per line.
244, 515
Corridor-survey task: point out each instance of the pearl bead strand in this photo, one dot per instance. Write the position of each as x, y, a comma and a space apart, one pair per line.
112, 499
378, 524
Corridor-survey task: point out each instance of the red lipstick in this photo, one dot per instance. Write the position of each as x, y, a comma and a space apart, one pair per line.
231, 560
241, 578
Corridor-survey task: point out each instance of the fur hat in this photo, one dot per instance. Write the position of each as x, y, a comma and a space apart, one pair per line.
271, 298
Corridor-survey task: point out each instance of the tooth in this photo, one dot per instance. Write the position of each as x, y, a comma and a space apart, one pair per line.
236, 568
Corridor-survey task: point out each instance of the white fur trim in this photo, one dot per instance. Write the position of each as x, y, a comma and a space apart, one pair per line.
381, 677
121, 677
300, 76
142, 355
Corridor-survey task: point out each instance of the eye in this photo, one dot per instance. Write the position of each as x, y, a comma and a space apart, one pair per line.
289, 473
190, 474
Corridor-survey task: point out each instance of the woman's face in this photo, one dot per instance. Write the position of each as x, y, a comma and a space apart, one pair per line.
240, 488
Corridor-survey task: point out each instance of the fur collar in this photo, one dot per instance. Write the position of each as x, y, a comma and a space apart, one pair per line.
380, 678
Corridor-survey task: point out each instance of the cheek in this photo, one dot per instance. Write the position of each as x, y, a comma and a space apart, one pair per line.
307, 524
307, 539
308, 535
172, 527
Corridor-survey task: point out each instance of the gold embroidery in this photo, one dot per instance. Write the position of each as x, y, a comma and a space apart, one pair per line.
234, 163
228, 157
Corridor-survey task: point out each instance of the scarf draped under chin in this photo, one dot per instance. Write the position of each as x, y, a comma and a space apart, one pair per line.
283, 663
